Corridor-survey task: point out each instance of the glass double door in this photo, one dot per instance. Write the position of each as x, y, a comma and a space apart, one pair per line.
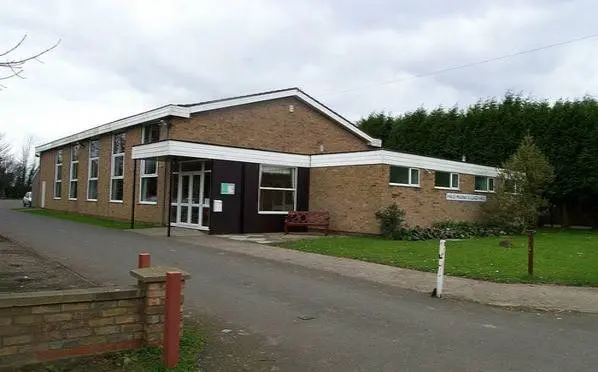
191, 199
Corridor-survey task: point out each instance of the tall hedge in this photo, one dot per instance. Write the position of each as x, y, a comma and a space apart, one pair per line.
489, 131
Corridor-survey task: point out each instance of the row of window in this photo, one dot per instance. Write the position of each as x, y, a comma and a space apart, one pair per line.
404, 176
148, 175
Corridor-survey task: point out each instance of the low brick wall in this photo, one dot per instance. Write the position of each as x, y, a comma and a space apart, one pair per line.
43, 326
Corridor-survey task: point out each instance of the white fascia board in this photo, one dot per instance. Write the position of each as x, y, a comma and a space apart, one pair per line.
348, 158
416, 161
284, 94
170, 110
400, 159
203, 151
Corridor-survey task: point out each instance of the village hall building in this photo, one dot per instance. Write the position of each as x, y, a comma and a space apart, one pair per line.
238, 165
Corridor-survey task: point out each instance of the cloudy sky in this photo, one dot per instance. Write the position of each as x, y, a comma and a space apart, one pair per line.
118, 58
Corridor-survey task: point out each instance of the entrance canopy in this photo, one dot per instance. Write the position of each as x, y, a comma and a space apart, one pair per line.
171, 148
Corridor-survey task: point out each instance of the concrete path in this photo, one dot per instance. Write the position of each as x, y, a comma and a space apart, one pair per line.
283, 316
539, 297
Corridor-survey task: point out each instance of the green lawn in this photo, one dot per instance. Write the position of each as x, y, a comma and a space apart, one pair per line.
83, 218
568, 257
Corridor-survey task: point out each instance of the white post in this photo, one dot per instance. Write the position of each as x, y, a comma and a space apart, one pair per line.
440, 275
42, 197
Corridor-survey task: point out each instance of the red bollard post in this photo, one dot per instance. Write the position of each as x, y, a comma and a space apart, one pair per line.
172, 319
145, 260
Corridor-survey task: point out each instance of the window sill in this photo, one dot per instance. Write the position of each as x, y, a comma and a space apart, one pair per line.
92, 200
116, 201
147, 203
75, 199
485, 191
446, 188
272, 212
403, 185
55, 198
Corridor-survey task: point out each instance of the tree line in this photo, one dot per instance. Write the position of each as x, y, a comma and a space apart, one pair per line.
16, 171
490, 131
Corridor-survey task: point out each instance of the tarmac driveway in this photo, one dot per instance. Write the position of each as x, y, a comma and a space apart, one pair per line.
265, 315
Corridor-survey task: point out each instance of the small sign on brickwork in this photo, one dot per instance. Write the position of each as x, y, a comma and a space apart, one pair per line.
465, 197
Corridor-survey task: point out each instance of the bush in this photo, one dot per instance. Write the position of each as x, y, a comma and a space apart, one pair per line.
392, 219
455, 230
392, 226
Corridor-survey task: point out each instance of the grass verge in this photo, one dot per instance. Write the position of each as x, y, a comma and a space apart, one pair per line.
566, 257
88, 219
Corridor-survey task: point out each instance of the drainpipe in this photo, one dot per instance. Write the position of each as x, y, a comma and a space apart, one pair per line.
169, 196
134, 191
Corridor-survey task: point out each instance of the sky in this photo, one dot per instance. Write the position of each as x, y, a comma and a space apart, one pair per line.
118, 58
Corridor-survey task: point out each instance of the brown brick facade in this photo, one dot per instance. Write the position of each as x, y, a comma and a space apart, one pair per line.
268, 126
353, 194
103, 206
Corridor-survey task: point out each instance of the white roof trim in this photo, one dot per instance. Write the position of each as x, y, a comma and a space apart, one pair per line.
170, 110
185, 112
199, 150
400, 159
200, 107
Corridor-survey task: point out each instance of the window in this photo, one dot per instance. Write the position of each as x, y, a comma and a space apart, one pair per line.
151, 133
117, 170
74, 178
149, 181
93, 170
404, 176
484, 184
58, 175
447, 180
277, 189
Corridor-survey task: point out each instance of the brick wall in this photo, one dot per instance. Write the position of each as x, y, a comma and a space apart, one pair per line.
269, 126
353, 194
37, 327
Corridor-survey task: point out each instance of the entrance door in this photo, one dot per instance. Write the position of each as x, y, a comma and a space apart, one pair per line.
191, 202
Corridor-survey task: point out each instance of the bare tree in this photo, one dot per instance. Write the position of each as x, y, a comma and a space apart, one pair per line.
6, 166
13, 67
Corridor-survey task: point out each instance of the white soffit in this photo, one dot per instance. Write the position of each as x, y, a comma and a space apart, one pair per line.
400, 159
199, 150
170, 110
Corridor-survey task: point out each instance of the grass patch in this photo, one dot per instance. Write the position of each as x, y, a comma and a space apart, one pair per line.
88, 219
148, 359
566, 257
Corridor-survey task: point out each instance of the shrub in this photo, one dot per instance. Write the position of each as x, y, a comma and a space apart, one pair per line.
455, 230
392, 219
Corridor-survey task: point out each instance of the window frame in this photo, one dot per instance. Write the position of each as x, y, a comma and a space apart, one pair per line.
113, 156
143, 132
72, 163
294, 171
488, 179
58, 175
410, 170
89, 177
451, 187
142, 176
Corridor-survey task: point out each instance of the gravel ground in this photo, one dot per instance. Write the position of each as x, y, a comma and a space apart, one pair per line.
23, 270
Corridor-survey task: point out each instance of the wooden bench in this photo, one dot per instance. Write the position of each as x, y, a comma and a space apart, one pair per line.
307, 219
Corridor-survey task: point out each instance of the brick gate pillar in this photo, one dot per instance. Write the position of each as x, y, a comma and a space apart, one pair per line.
152, 282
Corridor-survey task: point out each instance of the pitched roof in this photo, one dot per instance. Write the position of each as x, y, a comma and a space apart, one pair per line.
185, 111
